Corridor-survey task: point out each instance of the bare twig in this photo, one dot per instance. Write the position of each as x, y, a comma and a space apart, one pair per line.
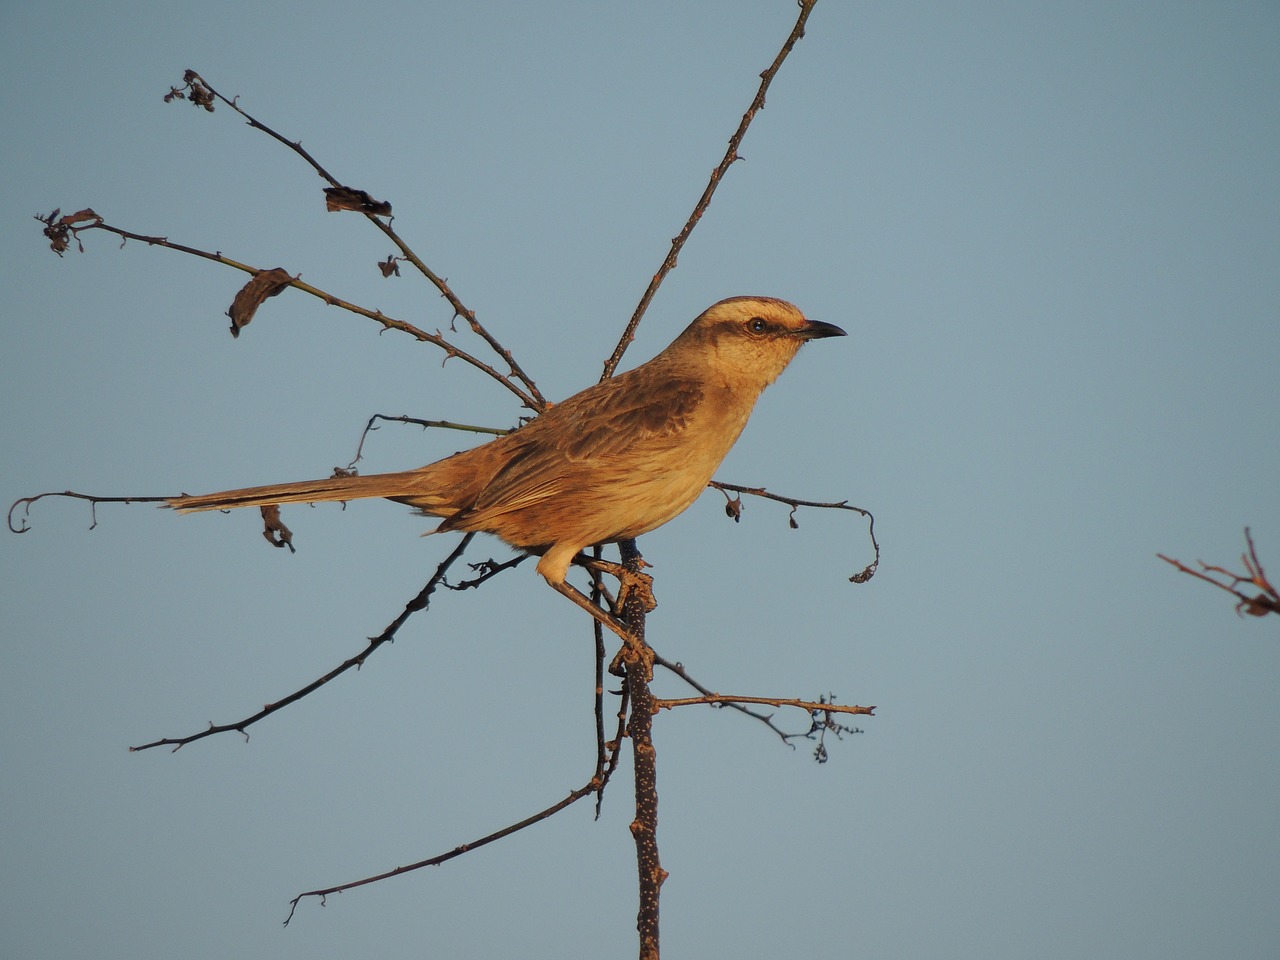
730, 156
604, 769
419, 602
204, 94
733, 507
1268, 601
608, 752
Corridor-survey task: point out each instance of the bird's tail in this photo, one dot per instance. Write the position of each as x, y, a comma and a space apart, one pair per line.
391, 485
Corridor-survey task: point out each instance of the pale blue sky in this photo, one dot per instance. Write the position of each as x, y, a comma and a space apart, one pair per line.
1053, 233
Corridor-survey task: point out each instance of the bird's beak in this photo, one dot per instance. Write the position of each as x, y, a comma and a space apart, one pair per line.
817, 329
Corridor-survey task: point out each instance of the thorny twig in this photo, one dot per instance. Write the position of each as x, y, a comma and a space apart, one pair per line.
573, 797
486, 570
419, 602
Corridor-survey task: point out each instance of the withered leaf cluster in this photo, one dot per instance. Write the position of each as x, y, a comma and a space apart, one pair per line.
193, 89
59, 229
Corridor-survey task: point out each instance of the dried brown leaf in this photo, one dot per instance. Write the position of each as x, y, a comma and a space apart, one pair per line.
265, 283
277, 534
733, 509
349, 198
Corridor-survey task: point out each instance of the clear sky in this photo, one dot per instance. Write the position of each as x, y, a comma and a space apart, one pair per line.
1052, 231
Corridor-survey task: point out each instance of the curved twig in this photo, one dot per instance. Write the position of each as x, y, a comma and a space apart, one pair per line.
25, 503
733, 506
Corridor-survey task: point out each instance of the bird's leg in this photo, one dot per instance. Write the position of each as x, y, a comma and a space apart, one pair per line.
572, 592
629, 581
629, 640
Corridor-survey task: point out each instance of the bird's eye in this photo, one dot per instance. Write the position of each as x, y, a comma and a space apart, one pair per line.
757, 325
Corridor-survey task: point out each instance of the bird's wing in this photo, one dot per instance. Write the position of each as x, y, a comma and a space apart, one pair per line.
589, 430
633, 415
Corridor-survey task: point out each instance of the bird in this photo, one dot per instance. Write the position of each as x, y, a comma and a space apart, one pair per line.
612, 462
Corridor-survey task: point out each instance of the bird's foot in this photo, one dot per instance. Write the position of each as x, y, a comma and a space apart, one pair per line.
631, 583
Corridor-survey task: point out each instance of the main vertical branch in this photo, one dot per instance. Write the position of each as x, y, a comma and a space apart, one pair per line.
638, 661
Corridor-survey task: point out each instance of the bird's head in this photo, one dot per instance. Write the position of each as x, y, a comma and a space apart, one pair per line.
750, 340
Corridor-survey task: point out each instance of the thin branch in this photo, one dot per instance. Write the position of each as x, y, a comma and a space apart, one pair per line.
420, 602
573, 797
487, 570
604, 768
424, 424
534, 400
722, 698
820, 712
767, 719
608, 752
733, 506
1268, 601
437, 339
25, 503
730, 156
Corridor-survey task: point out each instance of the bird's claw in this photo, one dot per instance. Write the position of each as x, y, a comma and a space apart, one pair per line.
633, 584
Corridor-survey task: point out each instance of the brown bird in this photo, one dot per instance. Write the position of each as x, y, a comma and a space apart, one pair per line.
615, 461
